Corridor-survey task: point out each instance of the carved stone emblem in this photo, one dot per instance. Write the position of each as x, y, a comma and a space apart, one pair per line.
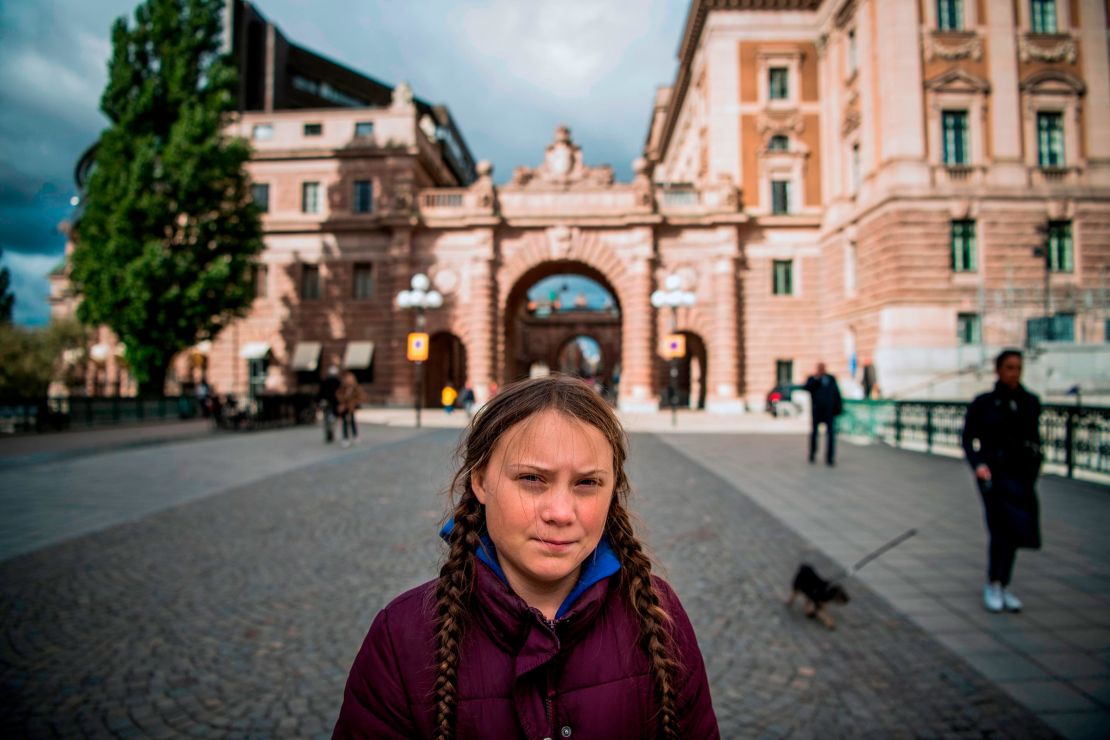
968, 48
563, 165
1064, 51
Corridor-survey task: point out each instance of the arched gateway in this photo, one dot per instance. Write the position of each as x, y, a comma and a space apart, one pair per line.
483, 246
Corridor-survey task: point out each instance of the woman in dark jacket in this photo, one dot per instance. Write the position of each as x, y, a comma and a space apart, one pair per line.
546, 620
1002, 441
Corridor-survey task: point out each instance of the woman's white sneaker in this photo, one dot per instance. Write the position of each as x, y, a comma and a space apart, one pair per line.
992, 597
1011, 602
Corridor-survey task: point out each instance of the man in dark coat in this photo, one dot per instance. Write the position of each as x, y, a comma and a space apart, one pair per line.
825, 405
1002, 442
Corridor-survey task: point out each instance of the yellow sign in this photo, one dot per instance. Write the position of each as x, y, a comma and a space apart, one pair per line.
674, 346
418, 346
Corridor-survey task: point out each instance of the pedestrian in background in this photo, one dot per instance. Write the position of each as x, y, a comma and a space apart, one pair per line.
546, 619
348, 398
448, 397
825, 405
467, 399
326, 397
1002, 441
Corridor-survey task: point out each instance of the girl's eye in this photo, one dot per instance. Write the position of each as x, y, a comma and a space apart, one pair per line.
589, 482
529, 478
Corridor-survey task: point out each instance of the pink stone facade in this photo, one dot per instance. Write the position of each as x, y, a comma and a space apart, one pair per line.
797, 175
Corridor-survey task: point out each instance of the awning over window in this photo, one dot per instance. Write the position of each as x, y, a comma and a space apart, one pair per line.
254, 350
306, 356
358, 356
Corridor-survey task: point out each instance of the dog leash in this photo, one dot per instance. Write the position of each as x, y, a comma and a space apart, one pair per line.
872, 555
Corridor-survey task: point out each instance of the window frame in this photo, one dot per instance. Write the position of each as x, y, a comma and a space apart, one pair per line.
263, 205
963, 245
362, 289
1058, 147
782, 277
1037, 19
785, 184
969, 328
316, 201
955, 8
312, 129
778, 92
356, 203
1060, 261
310, 282
784, 364
957, 137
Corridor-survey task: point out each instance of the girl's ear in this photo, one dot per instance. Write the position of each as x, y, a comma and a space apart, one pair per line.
476, 483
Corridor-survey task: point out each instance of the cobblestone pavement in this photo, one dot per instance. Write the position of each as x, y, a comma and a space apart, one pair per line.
238, 614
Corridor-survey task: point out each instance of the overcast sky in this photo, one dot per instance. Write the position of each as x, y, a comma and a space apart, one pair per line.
509, 70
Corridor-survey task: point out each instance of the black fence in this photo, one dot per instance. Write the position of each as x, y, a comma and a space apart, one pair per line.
1073, 437
37, 415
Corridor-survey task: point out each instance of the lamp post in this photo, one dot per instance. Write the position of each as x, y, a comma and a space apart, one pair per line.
419, 298
672, 297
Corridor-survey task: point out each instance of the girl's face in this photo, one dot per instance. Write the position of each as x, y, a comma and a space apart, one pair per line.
547, 490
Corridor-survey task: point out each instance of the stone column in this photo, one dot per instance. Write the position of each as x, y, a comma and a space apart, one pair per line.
900, 126
637, 338
481, 298
1006, 165
724, 347
1096, 73
399, 372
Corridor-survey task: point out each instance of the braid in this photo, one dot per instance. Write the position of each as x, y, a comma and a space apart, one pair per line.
456, 580
655, 636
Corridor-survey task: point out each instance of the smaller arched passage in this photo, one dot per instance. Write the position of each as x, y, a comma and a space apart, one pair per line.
446, 364
691, 380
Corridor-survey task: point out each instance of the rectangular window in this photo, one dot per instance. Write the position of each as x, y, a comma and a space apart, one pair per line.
950, 15
963, 246
1043, 16
256, 375
260, 194
310, 197
968, 329
364, 128
783, 276
779, 143
261, 281
313, 129
852, 58
262, 132
1057, 328
955, 137
364, 196
780, 196
784, 372
1060, 255
1050, 139
778, 83
310, 282
363, 285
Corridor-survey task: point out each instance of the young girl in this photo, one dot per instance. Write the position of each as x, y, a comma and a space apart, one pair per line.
546, 620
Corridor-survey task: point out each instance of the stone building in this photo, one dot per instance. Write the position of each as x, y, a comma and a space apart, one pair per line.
896, 187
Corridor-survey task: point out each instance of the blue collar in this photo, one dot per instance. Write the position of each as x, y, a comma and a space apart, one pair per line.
601, 564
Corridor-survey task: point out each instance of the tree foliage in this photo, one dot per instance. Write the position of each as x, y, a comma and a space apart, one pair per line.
7, 300
168, 235
31, 358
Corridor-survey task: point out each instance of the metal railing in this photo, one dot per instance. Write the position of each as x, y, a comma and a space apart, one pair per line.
37, 415
1072, 437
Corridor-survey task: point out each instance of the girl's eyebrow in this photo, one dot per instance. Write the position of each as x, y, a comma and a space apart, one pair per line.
549, 471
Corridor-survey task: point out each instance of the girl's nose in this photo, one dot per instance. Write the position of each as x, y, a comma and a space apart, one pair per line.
558, 506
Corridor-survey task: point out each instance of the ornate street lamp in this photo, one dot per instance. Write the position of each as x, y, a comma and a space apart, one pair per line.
673, 297
419, 298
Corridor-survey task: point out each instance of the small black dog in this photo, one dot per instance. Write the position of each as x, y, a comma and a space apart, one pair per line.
817, 592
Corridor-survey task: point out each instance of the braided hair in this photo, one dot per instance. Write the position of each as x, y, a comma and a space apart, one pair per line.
455, 586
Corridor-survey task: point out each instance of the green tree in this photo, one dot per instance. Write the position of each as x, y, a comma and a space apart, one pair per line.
7, 300
168, 236
31, 358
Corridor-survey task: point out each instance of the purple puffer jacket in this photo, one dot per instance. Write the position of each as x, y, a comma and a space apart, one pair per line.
518, 677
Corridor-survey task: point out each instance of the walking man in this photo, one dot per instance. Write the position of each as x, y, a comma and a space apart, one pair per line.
825, 406
1002, 441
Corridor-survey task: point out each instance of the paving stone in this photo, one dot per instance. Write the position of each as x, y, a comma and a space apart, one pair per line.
237, 613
